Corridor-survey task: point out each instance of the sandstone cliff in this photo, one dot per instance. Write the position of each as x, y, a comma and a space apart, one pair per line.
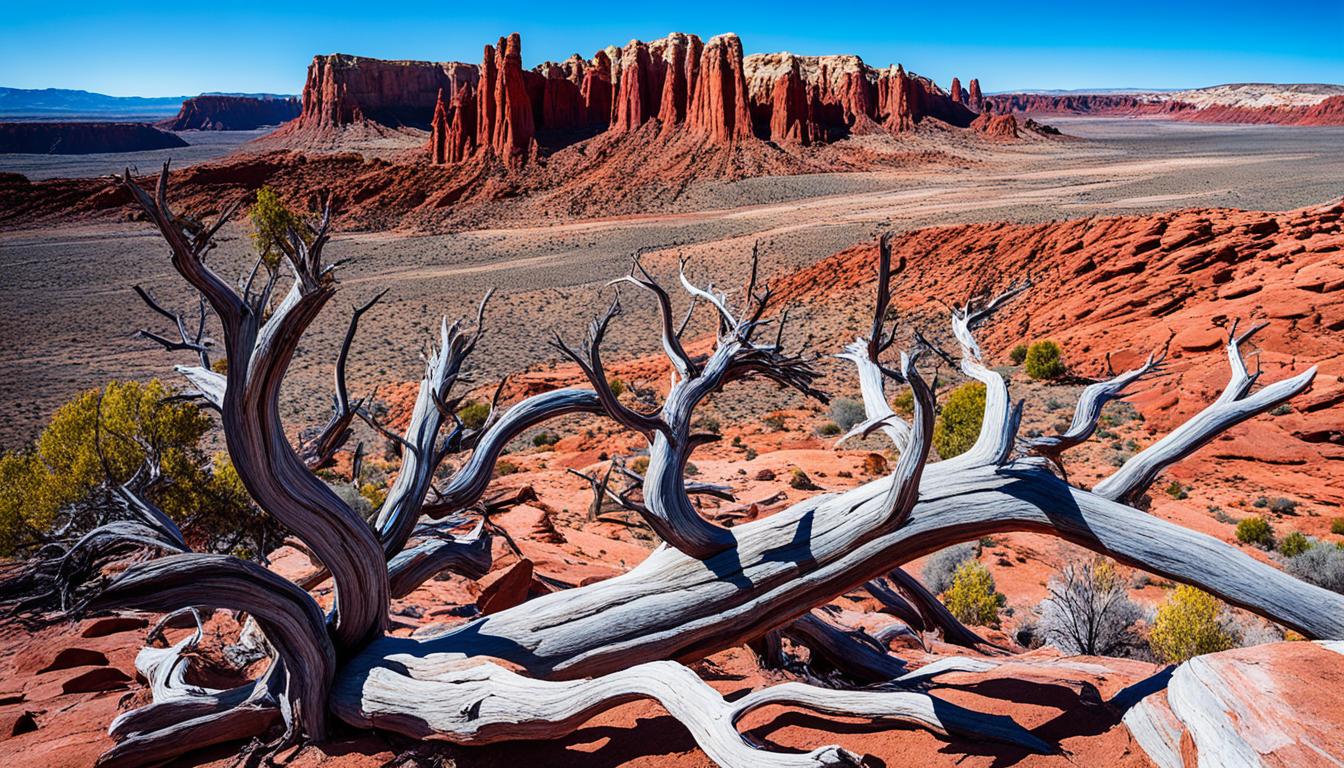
706, 91
230, 113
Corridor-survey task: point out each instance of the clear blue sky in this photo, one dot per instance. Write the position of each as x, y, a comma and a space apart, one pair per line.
151, 48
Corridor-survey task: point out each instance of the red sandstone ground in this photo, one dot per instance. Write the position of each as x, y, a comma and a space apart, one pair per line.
1119, 285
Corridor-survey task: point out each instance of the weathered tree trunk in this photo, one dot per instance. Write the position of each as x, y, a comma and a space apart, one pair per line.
580, 651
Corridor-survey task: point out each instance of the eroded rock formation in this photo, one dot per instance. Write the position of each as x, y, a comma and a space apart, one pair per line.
230, 113
708, 91
342, 89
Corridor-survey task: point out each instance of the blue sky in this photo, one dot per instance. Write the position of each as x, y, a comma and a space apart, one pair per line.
151, 48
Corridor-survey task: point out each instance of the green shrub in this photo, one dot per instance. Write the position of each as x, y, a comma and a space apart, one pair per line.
271, 222
1176, 491
64, 467
640, 464
504, 467
543, 439
474, 414
1337, 526
1018, 354
1294, 544
829, 429
972, 598
904, 403
1255, 530
1187, 625
1044, 360
942, 566
958, 426
617, 386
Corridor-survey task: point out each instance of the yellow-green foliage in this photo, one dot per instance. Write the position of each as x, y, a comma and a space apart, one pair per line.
1187, 626
972, 598
1294, 544
1255, 530
271, 221
64, 466
1044, 360
474, 414
904, 403
1018, 354
955, 430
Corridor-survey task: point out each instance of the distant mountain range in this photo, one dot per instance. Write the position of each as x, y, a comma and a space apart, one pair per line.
52, 103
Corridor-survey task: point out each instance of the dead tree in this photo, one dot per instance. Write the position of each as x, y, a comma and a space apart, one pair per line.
541, 669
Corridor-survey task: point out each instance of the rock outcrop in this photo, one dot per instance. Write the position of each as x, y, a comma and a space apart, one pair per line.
1289, 105
83, 138
720, 110
958, 96
974, 99
230, 113
343, 90
997, 126
708, 91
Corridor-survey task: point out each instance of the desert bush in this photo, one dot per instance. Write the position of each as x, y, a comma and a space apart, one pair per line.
474, 414
904, 403
942, 566
505, 467
846, 412
543, 439
1187, 625
1255, 530
1294, 544
640, 464
800, 481
776, 422
1176, 491
1319, 564
1337, 526
829, 429
1088, 610
617, 386
958, 425
271, 222
1018, 354
102, 438
1282, 506
1044, 360
972, 598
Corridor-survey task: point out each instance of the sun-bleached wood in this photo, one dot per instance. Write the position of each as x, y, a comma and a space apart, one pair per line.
540, 669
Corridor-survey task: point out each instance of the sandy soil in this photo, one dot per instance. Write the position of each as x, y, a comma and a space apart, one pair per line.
65, 334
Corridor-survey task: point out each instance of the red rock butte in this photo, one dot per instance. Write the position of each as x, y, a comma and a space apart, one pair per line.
705, 90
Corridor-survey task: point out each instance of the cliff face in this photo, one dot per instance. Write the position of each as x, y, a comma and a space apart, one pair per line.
83, 138
341, 90
230, 113
706, 90
1181, 106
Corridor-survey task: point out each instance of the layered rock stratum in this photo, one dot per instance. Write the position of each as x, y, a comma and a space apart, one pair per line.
230, 113
1255, 103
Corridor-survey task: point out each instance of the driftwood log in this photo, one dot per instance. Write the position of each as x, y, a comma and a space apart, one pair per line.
540, 670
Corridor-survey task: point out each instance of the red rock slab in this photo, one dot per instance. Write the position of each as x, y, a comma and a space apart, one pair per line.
69, 658
111, 625
96, 679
